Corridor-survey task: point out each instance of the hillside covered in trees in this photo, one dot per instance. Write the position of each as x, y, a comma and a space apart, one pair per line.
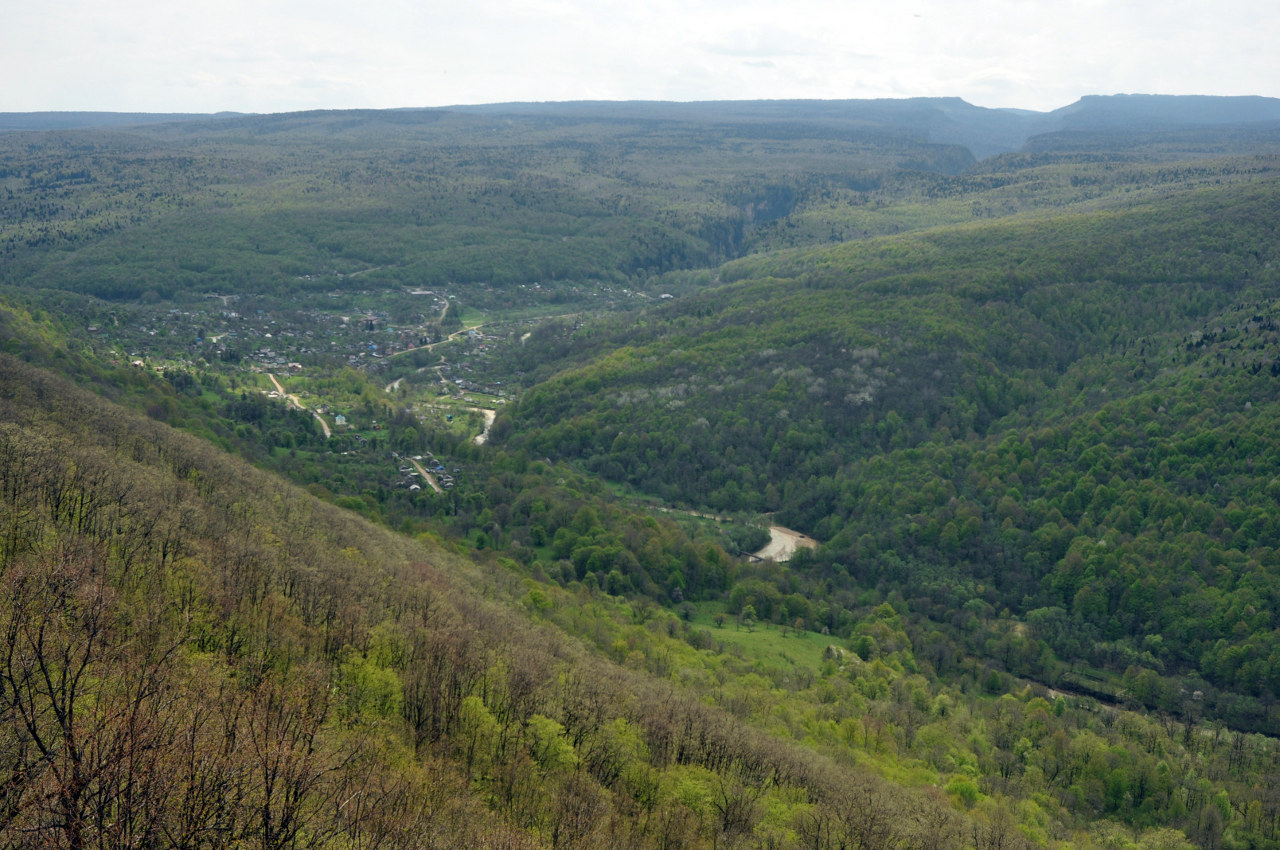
389, 479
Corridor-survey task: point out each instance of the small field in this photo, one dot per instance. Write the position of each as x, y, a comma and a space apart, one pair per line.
768, 645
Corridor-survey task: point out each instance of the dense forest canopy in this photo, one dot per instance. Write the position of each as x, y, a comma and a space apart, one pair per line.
392, 478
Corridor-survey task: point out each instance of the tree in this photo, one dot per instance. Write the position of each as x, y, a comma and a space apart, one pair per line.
89, 713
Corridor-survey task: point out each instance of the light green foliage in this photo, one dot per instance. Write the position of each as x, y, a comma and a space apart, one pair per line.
965, 790
369, 687
690, 785
478, 733
548, 745
783, 812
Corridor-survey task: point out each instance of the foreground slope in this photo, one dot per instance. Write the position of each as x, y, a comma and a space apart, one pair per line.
196, 654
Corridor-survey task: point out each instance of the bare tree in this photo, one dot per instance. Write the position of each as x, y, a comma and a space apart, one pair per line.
87, 704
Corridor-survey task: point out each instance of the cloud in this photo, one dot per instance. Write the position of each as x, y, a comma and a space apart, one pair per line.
765, 46
277, 55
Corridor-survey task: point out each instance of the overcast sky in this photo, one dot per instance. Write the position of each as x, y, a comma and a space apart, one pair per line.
286, 55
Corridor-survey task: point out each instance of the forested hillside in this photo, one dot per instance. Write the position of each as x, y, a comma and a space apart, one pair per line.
391, 479
200, 655
1129, 356
274, 204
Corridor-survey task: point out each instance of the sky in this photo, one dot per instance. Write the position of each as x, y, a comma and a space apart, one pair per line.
288, 55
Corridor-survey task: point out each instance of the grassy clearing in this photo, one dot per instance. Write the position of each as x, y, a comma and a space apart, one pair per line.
768, 645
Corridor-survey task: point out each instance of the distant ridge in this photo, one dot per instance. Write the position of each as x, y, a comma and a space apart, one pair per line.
942, 120
983, 131
82, 120
1160, 110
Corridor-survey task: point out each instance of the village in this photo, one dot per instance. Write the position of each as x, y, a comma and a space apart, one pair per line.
316, 354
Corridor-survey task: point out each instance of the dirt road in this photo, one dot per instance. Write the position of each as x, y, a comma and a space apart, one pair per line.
427, 476
489, 416
432, 346
783, 543
296, 402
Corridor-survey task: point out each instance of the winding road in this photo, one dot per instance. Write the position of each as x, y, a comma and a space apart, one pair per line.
296, 402
783, 542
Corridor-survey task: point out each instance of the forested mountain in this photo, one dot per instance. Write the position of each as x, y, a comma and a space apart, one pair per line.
286, 202
504, 196
1130, 357
75, 120
1151, 111
389, 478
942, 120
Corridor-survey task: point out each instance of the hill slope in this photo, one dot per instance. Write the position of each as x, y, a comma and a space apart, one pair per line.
873, 395
198, 653
1026, 404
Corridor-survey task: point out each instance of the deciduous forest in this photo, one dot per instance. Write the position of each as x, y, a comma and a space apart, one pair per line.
403, 478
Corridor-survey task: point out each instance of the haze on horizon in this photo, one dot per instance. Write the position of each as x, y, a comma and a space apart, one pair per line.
288, 55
